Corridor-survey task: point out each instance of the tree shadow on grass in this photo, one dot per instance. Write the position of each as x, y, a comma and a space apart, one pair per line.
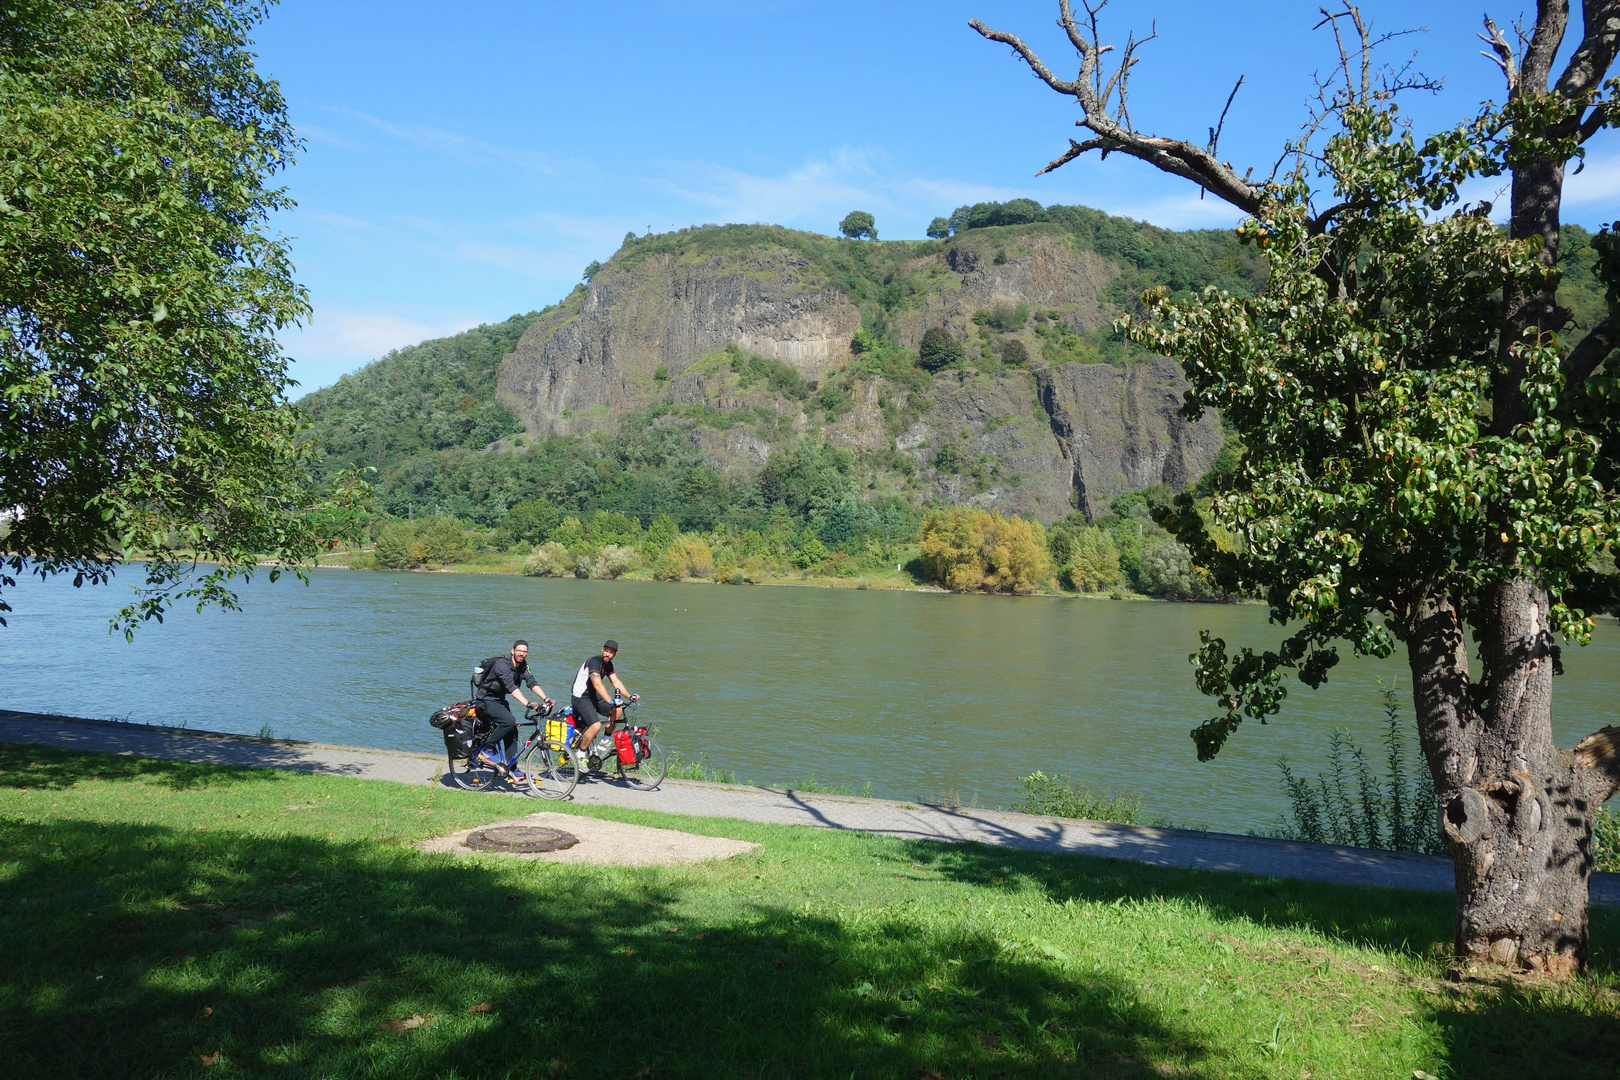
47, 767
1572, 1033
143, 951
1500, 1030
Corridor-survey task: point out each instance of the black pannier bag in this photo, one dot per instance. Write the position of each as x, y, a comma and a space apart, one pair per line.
460, 724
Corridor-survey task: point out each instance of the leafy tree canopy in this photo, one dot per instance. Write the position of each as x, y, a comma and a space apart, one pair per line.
938, 350
142, 407
859, 225
1372, 475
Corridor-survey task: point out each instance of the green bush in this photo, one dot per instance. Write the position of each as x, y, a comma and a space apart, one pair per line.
440, 540
811, 553
393, 545
938, 350
549, 560
1056, 796
612, 527
1014, 354
1094, 564
1166, 569
532, 520
571, 533
1003, 318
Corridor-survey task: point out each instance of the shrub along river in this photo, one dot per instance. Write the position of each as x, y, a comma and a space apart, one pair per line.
923, 695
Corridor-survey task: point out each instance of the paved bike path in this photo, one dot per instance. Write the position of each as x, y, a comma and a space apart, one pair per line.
782, 806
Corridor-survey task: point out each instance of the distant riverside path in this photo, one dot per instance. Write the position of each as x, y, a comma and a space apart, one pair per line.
784, 806
924, 696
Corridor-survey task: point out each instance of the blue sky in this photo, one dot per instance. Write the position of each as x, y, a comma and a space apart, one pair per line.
465, 161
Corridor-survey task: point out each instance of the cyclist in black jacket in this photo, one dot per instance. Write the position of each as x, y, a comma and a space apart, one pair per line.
507, 675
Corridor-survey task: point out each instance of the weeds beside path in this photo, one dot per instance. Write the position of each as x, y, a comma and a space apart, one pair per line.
172, 919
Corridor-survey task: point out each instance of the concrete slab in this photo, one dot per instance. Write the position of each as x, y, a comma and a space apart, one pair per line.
609, 843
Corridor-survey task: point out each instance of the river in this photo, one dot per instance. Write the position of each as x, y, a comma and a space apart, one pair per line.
923, 695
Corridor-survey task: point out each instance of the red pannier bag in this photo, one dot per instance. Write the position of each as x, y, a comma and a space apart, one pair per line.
625, 746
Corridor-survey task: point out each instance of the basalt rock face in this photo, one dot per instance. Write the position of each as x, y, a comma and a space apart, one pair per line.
1119, 428
597, 355
1018, 427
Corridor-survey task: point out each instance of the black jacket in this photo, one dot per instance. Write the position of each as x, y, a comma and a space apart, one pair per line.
503, 677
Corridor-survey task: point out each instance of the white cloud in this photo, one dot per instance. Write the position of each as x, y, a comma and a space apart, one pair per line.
452, 143
1598, 182
821, 190
1176, 211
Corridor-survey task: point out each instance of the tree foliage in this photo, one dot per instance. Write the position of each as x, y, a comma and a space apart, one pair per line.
967, 549
142, 408
1371, 472
938, 350
438, 395
859, 225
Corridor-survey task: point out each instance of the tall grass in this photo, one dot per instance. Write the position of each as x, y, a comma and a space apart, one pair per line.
1350, 805
1057, 796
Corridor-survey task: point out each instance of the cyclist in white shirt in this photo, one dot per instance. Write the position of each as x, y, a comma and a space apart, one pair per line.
593, 701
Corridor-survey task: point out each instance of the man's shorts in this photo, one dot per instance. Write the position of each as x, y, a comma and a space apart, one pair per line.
588, 710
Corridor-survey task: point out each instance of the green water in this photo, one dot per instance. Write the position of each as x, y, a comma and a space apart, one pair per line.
921, 695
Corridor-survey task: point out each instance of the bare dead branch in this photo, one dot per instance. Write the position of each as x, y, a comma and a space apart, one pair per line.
1112, 127
1501, 53
1220, 125
1075, 150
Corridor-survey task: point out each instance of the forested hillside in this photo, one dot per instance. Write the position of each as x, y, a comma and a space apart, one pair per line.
926, 393
438, 395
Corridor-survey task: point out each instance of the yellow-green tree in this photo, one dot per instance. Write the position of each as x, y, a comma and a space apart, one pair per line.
967, 549
1094, 564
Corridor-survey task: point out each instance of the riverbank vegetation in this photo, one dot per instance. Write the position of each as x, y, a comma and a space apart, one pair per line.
175, 919
848, 540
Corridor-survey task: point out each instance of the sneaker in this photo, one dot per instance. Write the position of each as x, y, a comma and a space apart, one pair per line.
517, 775
486, 758
582, 762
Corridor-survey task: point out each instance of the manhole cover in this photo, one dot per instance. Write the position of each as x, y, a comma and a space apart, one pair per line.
520, 839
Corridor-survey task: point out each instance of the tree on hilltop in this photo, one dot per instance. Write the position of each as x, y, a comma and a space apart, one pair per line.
859, 225
143, 409
1425, 455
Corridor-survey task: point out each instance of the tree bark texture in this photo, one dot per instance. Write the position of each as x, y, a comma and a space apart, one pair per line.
1515, 810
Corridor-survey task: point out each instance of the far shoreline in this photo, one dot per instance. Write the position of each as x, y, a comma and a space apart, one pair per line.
857, 584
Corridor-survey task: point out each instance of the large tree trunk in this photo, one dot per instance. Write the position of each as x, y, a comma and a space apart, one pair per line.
1515, 810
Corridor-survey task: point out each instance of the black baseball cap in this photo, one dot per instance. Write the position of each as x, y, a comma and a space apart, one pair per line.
610, 644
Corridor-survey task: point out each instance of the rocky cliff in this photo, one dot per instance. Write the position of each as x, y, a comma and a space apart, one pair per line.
1040, 415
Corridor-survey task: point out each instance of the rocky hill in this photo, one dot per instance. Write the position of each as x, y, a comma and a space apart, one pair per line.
1041, 413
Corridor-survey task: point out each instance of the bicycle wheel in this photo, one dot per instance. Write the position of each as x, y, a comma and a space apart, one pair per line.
649, 773
551, 770
473, 776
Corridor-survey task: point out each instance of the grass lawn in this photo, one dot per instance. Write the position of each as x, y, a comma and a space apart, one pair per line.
167, 919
